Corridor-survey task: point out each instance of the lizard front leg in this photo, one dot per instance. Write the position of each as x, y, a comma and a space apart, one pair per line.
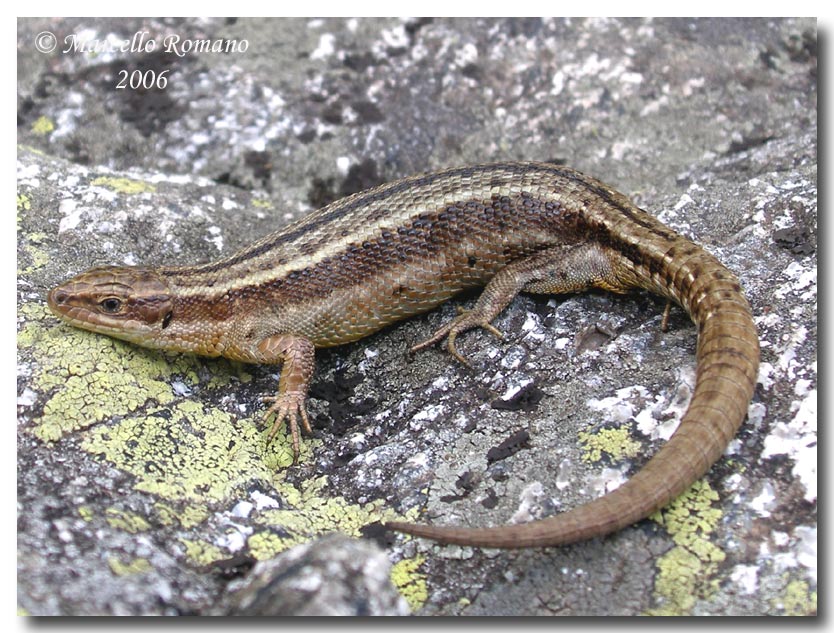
297, 355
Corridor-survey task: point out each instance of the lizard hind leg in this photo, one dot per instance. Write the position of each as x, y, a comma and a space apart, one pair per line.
556, 270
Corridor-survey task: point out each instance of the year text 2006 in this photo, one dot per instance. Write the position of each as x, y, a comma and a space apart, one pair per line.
146, 79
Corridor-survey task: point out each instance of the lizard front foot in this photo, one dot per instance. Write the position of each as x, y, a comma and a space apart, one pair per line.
288, 406
297, 355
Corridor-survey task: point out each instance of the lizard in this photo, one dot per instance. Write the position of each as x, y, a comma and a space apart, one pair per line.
360, 263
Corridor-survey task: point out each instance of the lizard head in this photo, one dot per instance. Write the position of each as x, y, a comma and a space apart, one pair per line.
130, 303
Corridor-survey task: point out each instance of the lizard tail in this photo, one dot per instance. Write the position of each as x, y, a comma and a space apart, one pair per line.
727, 367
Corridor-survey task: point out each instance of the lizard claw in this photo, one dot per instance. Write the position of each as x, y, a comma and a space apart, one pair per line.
466, 320
289, 406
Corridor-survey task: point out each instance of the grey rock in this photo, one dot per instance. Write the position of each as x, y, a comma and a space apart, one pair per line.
333, 575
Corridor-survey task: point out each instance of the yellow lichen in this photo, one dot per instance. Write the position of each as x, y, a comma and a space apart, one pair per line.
410, 582
798, 599
127, 521
136, 566
264, 545
202, 553
24, 203
88, 378
185, 514
42, 126
309, 513
86, 513
614, 442
38, 256
190, 452
261, 204
124, 185
686, 573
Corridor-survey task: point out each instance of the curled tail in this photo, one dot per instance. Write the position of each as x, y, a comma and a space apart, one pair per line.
727, 367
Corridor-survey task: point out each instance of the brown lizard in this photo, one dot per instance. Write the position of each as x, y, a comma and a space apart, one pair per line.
402, 248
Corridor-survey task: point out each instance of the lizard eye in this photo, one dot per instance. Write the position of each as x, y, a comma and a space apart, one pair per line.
110, 305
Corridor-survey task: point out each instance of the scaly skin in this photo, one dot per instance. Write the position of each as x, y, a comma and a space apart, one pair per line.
363, 262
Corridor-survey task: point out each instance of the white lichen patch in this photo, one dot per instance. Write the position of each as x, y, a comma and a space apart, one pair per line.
513, 357
620, 408
242, 509
765, 501
396, 37
637, 404
685, 200
466, 54
607, 480
441, 382
530, 505
514, 385
233, 537
325, 47
565, 474
72, 214
429, 413
746, 578
263, 501
798, 440
806, 550
766, 375
802, 280
801, 553
216, 238
27, 175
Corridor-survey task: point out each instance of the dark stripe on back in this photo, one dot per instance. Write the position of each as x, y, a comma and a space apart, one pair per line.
429, 238
339, 209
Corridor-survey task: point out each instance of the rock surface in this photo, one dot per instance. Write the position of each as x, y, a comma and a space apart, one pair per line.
144, 482
334, 575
